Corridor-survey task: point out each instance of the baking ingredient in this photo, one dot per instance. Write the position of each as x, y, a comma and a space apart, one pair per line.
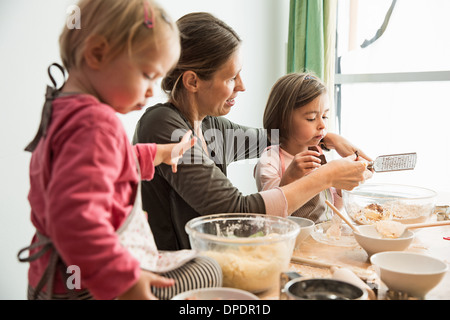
392, 210
253, 268
393, 229
389, 229
334, 231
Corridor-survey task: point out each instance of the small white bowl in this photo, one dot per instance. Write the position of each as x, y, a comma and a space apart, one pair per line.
216, 294
306, 227
412, 273
372, 242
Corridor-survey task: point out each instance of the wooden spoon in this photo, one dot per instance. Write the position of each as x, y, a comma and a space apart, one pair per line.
346, 220
394, 229
428, 224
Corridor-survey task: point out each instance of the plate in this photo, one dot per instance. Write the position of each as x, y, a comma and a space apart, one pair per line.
220, 293
346, 238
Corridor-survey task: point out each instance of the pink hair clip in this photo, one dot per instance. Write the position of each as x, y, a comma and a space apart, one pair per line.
149, 22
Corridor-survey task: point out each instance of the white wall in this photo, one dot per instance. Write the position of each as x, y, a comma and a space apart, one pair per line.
29, 32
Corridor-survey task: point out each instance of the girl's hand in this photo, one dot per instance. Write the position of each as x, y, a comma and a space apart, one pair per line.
302, 164
171, 153
342, 146
141, 290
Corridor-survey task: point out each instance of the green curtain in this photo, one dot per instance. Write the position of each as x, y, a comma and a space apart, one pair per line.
312, 41
305, 43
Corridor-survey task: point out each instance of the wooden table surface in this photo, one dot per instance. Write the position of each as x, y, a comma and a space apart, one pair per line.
313, 259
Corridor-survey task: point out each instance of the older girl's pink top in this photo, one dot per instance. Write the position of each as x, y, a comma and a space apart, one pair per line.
83, 181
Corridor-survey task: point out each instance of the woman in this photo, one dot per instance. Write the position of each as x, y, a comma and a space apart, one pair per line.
202, 88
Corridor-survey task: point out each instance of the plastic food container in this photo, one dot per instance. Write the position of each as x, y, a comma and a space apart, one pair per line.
370, 203
252, 249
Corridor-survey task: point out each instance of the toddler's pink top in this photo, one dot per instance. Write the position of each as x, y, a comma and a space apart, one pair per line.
83, 181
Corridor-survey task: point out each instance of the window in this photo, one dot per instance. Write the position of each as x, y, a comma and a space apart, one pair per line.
393, 90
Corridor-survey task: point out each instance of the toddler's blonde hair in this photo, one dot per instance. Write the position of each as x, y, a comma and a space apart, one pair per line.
121, 22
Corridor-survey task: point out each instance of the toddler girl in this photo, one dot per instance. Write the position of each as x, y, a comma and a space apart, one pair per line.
85, 175
297, 109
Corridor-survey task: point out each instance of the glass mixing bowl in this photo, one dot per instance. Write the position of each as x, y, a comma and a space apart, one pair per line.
370, 203
252, 249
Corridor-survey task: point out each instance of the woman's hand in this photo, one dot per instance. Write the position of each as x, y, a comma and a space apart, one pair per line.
302, 164
141, 290
171, 153
342, 146
347, 173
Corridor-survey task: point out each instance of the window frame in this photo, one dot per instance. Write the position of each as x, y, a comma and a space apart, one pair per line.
392, 77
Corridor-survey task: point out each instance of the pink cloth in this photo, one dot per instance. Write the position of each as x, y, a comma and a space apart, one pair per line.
83, 182
275, 202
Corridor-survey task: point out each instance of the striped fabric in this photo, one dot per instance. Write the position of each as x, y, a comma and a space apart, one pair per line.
201, 272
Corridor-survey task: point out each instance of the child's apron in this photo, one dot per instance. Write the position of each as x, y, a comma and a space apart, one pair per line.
134, 234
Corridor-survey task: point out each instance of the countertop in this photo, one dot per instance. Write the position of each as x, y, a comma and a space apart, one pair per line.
314, 259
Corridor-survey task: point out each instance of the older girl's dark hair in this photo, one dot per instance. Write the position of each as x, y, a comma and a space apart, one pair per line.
206, 44
290, 92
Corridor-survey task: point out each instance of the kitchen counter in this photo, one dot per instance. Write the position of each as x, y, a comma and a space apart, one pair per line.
314, 259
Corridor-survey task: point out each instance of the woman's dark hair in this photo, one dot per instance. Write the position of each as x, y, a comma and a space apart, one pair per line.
206, 44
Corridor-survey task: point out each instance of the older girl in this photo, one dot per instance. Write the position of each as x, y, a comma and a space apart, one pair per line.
298, 109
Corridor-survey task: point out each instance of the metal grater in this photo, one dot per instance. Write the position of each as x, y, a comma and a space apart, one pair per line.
394, 162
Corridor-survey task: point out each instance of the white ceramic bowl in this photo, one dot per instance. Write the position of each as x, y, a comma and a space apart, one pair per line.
252, 249
372, 242
372, 202
412, 273
306, 227
216, 294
